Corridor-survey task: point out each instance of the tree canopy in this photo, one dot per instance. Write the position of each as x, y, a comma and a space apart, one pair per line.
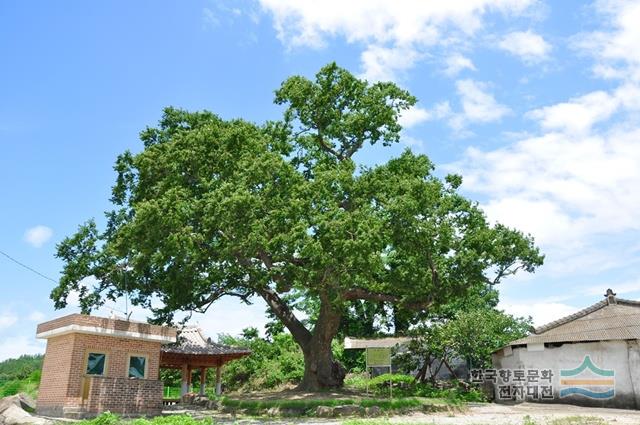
212, 208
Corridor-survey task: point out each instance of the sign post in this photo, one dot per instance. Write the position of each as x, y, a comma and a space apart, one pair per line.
379, 357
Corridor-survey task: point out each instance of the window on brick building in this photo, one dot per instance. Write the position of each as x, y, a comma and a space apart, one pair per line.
137, 366
96, 363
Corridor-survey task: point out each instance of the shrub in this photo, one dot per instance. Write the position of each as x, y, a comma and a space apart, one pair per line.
407, 386
270, 365
10, 388
108, 418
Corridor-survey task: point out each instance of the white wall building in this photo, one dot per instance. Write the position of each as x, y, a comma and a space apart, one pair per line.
589, 358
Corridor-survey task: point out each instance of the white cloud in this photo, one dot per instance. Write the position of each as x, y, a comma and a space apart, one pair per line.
216, 320
37, 316
478, 106
540, 311
414, 143
616, 49
384, 27
530, 47
571, 185
7, 320
456, 63
38, 235
414, 116
384, 63
620, 288
578, 115
477, 103
20, 345
209, 18
582, 185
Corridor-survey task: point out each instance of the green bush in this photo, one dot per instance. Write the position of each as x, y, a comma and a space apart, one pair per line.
259, 406
20, 368
407, 386
108, 418
21, 375
173, 420
270, 365
10, 388
396, 379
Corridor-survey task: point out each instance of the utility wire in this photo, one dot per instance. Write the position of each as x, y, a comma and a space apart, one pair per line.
27, 267
31, 269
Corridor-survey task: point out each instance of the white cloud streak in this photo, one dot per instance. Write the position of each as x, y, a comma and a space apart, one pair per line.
617, 47
21, 344
38, 235
530, 47
395, 34
478, 106
456, 63
7, 320
573, 185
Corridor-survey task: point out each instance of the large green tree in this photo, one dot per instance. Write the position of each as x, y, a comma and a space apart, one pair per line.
212, 208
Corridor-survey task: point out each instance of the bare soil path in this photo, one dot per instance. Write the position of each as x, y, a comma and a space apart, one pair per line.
481, 414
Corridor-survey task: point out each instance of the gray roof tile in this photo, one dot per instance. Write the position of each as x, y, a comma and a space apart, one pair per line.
603, 321
191, 341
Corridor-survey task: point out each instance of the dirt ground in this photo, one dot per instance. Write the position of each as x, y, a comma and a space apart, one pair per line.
540, 414
489, 414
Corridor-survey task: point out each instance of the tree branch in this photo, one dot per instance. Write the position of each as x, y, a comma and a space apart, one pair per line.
282, 311
325, 147
364, 294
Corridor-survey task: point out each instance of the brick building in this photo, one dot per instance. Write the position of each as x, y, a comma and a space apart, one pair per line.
94, 364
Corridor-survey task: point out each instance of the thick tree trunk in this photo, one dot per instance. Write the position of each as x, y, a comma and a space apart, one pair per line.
321, 370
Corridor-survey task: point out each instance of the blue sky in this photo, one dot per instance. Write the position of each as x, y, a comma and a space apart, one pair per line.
535, 103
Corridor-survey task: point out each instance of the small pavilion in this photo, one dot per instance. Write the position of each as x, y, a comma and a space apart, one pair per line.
192, 351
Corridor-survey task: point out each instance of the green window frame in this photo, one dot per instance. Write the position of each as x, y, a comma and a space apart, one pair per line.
96, 364
137, 367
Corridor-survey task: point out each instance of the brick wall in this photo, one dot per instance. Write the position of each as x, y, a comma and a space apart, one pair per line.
55, 375
123, 396
66, 390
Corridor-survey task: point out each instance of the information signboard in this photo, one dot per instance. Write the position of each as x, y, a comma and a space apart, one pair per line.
377, 357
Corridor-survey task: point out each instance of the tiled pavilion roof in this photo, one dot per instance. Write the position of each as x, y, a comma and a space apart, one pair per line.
194, 350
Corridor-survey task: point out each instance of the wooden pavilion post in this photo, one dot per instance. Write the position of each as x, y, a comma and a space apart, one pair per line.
185, 380
219, 379
203, 379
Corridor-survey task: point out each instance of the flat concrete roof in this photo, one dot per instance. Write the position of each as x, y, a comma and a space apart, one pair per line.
94, 325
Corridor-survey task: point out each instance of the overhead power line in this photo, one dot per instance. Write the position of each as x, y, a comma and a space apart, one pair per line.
31, 269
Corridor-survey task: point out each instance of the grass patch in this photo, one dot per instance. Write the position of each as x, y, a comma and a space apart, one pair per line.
282, 404
257, 407
112, 419
16, 386
407, 386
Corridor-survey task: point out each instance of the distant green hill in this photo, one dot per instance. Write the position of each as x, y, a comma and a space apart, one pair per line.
20, 375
